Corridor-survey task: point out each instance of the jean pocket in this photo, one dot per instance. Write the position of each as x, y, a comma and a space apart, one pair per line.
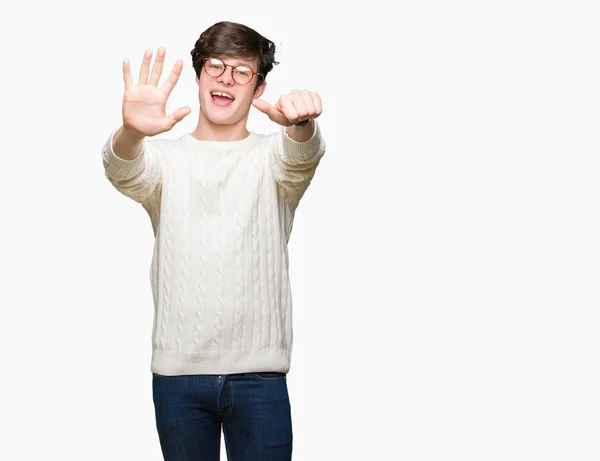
269, 376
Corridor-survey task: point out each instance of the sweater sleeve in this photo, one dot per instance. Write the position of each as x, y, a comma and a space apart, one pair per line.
139, 178
294, 164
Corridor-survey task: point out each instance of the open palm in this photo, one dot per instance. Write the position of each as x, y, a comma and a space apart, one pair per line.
144, 105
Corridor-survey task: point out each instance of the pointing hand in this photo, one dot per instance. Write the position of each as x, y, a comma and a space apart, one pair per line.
292, 108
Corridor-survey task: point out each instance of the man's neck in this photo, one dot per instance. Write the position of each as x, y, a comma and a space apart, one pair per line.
209, 131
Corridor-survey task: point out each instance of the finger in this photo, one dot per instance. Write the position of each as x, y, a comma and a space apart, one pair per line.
289, 110
300, 106
310, 104
127, 75
269, 110
180, 113
144, 70
173, 77
158, 67
318, 103
262, 106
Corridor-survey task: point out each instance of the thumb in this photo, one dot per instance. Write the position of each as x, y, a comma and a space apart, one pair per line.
180, 113
263, 106
271, 111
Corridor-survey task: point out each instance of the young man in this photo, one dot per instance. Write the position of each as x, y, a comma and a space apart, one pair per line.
221, 201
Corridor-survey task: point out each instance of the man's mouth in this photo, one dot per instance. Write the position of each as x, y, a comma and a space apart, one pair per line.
222, 98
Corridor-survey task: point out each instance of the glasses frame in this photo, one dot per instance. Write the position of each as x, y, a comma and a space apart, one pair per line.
225, 66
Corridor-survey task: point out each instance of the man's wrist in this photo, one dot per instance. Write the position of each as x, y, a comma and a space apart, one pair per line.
303, 122
132, 133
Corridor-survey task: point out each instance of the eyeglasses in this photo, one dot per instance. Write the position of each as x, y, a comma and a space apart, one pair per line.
241, 74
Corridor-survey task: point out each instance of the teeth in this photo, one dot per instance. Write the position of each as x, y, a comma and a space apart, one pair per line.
218, 93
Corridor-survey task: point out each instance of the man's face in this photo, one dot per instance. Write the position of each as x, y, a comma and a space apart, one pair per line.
223, 99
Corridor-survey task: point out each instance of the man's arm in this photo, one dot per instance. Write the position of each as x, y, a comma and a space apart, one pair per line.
302, 133
127, 143
294, 158
296, 153
133, 165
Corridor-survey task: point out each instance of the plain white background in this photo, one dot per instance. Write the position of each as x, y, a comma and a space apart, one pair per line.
444, 262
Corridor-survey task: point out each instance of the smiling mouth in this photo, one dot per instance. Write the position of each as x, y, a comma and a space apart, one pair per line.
222, 99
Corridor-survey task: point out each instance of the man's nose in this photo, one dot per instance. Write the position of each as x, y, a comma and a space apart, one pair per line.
226, 77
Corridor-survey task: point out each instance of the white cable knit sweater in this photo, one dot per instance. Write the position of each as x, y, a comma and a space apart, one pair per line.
222, 214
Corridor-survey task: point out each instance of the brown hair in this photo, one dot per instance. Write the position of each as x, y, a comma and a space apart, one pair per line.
232, 39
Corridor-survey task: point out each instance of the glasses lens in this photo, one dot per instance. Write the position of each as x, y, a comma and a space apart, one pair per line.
214, 67
242, 74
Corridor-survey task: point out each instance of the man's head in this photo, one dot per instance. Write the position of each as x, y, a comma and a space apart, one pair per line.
231, 59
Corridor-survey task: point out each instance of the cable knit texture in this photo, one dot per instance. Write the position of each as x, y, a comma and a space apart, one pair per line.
222, 214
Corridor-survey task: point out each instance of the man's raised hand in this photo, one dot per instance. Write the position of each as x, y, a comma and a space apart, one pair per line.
292, 108
144, 105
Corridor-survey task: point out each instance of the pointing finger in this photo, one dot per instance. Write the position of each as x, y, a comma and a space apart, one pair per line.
269, 110
262, 106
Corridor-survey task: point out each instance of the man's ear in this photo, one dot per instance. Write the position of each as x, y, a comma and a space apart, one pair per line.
260, 90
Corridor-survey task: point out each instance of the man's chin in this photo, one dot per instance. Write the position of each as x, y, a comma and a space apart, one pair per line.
223, 117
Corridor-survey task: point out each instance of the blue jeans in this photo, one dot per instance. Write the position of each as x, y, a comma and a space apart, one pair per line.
252, 408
